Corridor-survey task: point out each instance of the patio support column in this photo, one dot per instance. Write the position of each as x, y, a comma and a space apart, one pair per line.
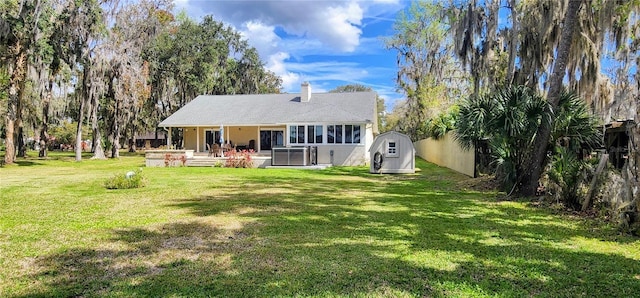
168, 137
221, 135
257, 148
197, 139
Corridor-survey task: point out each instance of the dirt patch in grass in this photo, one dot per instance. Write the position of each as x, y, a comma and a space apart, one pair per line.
487, 183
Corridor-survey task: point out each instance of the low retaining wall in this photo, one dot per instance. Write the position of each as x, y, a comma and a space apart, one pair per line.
163, 158
446, 152
261, 161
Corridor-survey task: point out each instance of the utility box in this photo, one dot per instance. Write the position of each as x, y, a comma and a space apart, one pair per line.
392, 153
290, 156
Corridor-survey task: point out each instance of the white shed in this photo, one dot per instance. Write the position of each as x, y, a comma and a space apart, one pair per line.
392, 153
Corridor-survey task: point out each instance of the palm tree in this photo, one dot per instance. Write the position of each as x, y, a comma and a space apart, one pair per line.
508, 119
543, 134
575, 124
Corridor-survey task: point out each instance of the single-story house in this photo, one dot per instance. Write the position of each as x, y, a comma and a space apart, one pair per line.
341, 126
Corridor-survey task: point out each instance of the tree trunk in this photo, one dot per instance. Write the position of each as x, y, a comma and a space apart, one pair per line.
115, 142
513, 42
21, 147
17, 73
132, 142
592, 186
114, 136
538, 160
20, 144
44, 130
10, 148
631, 169
98, 149
78, 148
85, 95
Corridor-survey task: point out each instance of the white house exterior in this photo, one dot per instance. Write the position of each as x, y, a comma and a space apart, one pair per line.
341, 125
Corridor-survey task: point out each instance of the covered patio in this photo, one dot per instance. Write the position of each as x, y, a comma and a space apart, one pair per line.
204, 139
189, 158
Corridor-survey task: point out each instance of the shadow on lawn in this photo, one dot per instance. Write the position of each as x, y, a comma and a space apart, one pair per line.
27, 163
324, 235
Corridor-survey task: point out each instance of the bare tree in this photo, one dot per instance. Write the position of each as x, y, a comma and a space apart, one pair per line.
427, 72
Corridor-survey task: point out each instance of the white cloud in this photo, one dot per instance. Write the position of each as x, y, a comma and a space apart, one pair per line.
387, 1
334, 23
290, 36
262, 37
290, 80
338, 26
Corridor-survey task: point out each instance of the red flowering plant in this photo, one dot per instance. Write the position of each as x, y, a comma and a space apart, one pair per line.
239, 159
170, 160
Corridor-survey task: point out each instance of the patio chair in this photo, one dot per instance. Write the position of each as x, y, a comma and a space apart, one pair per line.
216, 150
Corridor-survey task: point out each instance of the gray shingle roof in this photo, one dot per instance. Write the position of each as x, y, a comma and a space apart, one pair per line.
270, 109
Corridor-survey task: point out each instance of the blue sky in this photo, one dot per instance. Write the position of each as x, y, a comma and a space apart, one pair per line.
327, 43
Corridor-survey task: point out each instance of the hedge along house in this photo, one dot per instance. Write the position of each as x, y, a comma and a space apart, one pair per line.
340, 125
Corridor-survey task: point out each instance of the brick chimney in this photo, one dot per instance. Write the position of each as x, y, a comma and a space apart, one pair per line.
305, 92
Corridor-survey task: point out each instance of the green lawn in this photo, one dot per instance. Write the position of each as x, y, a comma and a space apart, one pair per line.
263, 233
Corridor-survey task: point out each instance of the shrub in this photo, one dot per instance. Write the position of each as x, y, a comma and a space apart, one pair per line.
509, 118
172, 160
240, 159
444, 122
126, 181
567, 172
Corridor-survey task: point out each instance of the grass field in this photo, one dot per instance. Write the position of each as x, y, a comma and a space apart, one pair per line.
194, 232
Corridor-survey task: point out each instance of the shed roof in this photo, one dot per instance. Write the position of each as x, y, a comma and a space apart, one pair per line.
274, 109
390, 134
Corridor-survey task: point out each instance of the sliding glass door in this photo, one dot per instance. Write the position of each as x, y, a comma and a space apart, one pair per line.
211, 136
271, 138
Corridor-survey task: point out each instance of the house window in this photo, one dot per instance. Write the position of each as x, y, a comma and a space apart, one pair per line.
347, 134
300, 134
314, 134
296, 134
352, 134
293, 134
331, 137
392, 148
334, 134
